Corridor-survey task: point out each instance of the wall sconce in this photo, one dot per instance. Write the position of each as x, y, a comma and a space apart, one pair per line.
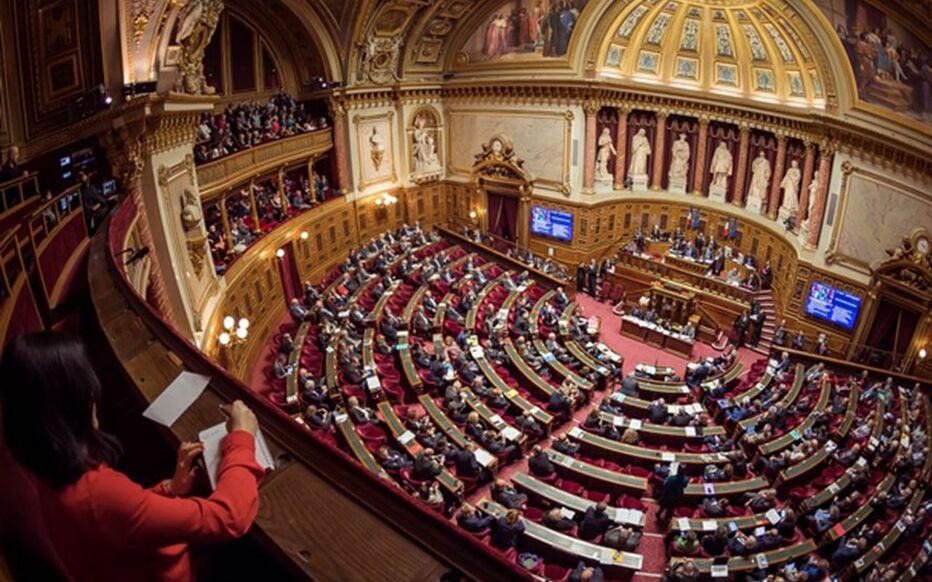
235, 332
923, 353
280, 254
304, 235
386, 200
473, 216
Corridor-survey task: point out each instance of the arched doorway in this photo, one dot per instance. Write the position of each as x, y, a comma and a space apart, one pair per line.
897, 321
505, 188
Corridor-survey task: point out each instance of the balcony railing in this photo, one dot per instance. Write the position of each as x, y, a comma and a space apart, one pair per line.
220, 175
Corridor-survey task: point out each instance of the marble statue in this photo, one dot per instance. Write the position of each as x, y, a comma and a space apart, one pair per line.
790, 185
606, 150
722, 166
376, 148
640, 151
190, 210
806, 223
679, 160
198, 21
760, 179
424, 149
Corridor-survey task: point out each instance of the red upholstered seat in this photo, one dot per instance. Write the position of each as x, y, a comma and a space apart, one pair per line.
534, 514
597, 496
371, 433
556, 573
571, 487
409, 479
638, 471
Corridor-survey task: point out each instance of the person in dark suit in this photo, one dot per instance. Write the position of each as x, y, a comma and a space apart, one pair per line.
392, 460
540, 464
779, 336
582, 278
470, 519
564, 445
741, 327
507, 530
630, 385
554, 520
584, 573
297, 311
594, 522
508, 496
657, 411
559, 402
593, 277
352, 372
529, 425
671, 493
468, 466
358, 413
280, 368
799, 341
426, 465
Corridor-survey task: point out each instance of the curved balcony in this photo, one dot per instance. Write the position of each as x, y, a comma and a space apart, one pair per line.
220, 175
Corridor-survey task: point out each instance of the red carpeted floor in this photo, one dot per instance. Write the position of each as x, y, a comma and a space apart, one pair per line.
636, 352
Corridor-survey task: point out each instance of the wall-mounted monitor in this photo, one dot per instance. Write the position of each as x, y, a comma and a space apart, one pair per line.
553, 223
833, 305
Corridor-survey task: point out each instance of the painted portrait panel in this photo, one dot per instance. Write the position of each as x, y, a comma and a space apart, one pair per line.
892, 67
525, 29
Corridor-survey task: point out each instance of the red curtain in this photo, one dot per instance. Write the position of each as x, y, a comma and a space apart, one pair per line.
885, 335
288, 273
496, 215
510, 210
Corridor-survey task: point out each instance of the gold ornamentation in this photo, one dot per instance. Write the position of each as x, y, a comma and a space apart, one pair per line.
199, 19
197, 253
379, 62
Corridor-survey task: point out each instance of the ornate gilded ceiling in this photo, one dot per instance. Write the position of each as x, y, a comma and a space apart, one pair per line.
758, 49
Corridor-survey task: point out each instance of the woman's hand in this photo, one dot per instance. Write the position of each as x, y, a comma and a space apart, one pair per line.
184, 470
240, 417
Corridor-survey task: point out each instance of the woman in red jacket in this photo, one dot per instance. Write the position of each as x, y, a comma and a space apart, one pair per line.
103, 526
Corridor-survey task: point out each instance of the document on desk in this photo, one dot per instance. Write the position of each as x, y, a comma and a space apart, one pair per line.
174, 400
213, 436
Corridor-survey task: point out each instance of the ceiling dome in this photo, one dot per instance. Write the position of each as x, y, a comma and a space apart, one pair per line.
758, 49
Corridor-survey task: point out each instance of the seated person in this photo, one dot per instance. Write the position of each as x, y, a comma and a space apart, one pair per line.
508, 496
427, 465
622, 538
555, 520
584, 573
564, 445
540, 464
594, 522
358, 413
472, 521
392, 460
507, 529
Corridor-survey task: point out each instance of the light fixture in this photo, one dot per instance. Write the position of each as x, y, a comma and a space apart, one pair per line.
386, 200
241, 333
923, 353
224, 339
304, 235
228, 322
244, 323
472, 214
280, 253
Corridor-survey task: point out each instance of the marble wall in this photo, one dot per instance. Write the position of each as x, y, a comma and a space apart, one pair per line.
374, 146
542, 138
874, 211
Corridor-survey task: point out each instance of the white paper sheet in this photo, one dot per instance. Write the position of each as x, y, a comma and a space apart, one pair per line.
175, 399
213, 436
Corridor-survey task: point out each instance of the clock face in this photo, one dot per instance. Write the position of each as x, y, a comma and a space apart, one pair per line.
922, 245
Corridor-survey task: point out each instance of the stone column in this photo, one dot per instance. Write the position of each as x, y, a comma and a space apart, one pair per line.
340, 141
589, 158
779, 169
742, 170
701, 149
660, 149
808, 168
225, 219
621, 145
818, 207
252, 207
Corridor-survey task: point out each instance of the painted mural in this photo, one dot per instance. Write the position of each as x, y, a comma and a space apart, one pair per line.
892, 67
525, 29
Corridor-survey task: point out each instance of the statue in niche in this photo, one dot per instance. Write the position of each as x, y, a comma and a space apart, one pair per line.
722, 166
790, 185
191, 213
606, 150
376, 148
813, 190
760, 177
640, 151
198, 21
424, 149
679, 160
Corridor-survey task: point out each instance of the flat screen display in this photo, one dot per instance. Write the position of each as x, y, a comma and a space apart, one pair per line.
833, 305
553, 223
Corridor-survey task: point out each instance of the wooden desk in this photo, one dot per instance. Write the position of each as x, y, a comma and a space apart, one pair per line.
405, 438
493, 419
748, 563
611, 480
643, 454
561, 498
788, 438
513, 396
663, 430
294, 360
606, 557
787, 399
727, 488
558, 366
413, 302
543, 387
376, 314
362, 454
407, 363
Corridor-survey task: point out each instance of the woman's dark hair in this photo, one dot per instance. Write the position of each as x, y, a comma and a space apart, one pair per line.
47, 398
